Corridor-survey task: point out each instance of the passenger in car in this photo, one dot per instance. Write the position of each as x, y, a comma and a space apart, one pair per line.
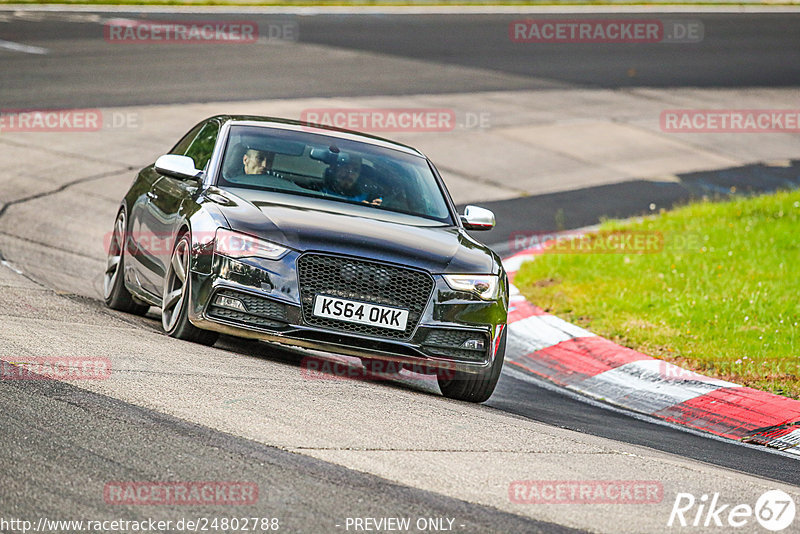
253, 166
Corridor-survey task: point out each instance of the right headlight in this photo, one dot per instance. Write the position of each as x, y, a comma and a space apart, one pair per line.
486, 286
238, 245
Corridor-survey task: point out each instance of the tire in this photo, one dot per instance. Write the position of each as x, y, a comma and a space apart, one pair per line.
175, 303
473, 387
115, 294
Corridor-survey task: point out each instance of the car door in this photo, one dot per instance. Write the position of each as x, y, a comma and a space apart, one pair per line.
160, 216
141, 248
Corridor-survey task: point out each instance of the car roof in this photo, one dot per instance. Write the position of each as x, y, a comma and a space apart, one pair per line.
294, 125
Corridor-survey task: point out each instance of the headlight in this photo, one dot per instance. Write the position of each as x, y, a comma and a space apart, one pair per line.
236, 245
483, 285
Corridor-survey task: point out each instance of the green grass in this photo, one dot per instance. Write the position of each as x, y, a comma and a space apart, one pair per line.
722, 297
366, 3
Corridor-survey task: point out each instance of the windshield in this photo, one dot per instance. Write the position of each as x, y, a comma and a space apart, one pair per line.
335, 169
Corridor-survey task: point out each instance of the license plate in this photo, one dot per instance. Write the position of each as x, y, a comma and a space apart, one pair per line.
353, 311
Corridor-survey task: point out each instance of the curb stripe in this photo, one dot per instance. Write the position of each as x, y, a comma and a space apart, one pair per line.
538, 332
789, 441
642, 386
569, 356
734, 412
519, 309
575, 360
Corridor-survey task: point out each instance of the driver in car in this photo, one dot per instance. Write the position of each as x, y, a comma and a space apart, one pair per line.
344, 181
257, 161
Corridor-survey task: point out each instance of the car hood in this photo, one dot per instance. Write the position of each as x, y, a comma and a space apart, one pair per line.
308, 224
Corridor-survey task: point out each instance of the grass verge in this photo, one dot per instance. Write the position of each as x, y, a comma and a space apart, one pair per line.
379, 3
718, 293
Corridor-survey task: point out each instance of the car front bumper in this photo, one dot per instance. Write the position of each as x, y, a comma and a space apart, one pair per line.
270, 291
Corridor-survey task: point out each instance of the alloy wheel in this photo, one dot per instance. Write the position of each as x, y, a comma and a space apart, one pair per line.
115, 248
176, 285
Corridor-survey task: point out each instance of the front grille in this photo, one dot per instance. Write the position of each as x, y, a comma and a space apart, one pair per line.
244, 318
260, 311
366, 281
447, 343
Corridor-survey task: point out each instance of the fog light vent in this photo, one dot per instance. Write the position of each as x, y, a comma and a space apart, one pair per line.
456, 343
473, 344
230, 303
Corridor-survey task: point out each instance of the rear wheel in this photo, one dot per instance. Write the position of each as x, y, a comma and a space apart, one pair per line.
115, 294
175, 303
473, 387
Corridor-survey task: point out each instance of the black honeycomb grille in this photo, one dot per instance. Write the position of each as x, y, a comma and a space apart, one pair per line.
451, 337
244, 318
456, 354
260, 312
364, 281
448, 343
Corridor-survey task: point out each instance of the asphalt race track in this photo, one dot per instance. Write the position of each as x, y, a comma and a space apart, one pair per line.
737, 51
323, 452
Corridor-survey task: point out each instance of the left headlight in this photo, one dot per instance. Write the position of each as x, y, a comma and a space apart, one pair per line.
484, 285
238, 245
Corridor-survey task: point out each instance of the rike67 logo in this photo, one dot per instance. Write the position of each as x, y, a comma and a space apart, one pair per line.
774, 510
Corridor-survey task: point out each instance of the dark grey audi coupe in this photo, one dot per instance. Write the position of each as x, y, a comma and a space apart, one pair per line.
314, 237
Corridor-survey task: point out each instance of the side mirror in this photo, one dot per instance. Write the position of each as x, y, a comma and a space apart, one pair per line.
476, 218
181, 167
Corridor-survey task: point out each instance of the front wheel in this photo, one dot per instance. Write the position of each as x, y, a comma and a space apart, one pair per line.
175, 303
473, 387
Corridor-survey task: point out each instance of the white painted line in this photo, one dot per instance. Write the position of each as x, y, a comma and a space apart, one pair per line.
119, 21
647, 386
25, 49
5, 263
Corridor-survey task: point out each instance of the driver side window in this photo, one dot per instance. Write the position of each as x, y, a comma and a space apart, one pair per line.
199, 144
180, 148
203, 145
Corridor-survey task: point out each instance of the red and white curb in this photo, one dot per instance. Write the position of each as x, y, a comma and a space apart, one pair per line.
580, 361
